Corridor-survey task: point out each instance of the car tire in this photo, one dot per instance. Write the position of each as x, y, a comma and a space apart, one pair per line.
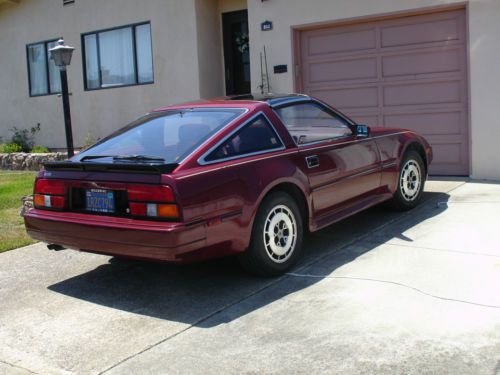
411, 181
277, 236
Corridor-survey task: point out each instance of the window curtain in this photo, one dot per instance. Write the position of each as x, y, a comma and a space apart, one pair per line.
91, 62
54, 74
117, 57
144, 53
38, 74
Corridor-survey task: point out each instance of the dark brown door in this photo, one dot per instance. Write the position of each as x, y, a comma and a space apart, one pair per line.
236, 52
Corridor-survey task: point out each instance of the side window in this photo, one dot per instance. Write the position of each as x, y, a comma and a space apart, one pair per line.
310, 122
256, 136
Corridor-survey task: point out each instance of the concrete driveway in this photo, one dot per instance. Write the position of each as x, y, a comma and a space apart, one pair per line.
382, 292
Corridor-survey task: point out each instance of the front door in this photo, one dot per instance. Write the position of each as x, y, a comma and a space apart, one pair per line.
342, 169
236, 52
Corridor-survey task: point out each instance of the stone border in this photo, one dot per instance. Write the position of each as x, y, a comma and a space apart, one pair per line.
22, 161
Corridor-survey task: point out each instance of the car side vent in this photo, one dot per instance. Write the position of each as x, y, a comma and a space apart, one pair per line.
68, 2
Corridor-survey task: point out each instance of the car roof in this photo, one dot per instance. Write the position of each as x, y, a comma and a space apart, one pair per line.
244, 100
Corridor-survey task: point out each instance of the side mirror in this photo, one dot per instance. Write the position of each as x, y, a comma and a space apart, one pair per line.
362, 131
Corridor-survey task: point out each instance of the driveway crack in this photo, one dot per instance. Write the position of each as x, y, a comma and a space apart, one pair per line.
18, 367
293, 274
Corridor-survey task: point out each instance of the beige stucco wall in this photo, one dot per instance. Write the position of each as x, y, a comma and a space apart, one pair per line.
232, 5
484, 32
209, 49
175, 49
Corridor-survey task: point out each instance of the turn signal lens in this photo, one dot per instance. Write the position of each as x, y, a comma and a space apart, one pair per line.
39, 200
48, 201
167, 210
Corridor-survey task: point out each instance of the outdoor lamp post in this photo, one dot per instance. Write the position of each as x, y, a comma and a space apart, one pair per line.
61, 55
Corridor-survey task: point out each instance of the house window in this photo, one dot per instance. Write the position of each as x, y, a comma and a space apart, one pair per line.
44, 78
118, 57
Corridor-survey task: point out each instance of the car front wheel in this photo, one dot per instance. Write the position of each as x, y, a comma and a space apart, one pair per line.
276, 236
410, 182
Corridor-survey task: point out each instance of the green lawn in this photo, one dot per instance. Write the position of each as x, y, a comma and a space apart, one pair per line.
13, 186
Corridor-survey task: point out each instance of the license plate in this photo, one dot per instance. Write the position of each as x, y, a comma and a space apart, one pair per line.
99, 200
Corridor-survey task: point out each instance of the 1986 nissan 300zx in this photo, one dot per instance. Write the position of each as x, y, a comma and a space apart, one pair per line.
245, 175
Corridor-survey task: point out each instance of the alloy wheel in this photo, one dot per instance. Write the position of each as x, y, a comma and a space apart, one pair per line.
410, 180
280, 234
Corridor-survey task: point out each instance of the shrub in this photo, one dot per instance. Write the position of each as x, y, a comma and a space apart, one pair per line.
40, 149
24, 137
8, 148
90, 139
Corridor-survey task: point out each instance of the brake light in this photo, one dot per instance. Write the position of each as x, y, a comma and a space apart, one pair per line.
145, 193
49, 194
52, 187
152, 201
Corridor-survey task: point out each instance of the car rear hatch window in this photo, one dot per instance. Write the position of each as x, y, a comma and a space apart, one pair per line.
165, 137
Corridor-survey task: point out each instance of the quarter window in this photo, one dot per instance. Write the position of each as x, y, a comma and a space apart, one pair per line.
255, 137
44, 77
118, 57
310, 122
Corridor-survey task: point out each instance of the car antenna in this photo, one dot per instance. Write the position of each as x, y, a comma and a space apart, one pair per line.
267, 72
261, 86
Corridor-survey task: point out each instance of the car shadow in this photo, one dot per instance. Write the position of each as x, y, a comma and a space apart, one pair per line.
201, 294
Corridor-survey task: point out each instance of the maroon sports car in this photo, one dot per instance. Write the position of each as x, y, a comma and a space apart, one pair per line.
245, 175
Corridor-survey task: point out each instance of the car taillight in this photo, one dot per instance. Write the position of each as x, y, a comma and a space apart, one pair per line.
147, 193
152, 201
50, 194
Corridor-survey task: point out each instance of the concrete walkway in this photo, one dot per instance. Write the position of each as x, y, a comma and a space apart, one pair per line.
382, 292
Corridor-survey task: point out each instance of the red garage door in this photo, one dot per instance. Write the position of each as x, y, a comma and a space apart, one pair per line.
407, 72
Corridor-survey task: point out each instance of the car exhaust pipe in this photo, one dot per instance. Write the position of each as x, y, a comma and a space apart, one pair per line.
55, 247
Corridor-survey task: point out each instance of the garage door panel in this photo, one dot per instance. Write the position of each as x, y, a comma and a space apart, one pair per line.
422, 93
370, 120
353, 69
349, 98
414, 77
420, 33
333, 42
422, 62
441, 123
448, 153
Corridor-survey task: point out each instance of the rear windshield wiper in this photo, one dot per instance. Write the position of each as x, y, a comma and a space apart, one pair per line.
139, 158
91, 157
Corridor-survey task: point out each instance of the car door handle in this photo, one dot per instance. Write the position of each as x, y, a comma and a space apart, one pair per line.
312, 161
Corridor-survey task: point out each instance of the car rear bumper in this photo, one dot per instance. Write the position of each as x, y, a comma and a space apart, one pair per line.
154, 240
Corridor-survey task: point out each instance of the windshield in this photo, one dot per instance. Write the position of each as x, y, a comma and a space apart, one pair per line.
168, 136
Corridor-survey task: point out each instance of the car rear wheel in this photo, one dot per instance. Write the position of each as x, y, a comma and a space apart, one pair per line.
410, 182
277, 235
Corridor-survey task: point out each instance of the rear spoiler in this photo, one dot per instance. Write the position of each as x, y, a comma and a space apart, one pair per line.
148, 168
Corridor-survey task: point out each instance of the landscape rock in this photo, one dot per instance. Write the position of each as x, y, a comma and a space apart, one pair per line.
22, 161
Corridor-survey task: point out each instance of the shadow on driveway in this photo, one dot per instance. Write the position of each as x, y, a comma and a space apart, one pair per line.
192, 294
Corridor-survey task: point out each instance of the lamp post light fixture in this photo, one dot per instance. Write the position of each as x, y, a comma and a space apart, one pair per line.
61, 54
